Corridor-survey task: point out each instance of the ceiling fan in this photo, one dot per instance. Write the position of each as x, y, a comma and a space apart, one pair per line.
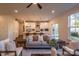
39, 6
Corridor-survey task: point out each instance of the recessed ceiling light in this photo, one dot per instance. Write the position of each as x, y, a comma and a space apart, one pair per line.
53, 11
34, 3
16, 11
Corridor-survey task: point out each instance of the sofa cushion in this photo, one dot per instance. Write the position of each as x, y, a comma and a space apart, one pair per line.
40, 38
30, 37
44, 43
34, 43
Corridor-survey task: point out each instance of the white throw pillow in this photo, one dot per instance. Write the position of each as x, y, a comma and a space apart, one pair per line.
40, 38
30, 38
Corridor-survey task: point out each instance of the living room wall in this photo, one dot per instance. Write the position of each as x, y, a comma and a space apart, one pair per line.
62, 20
13, 29
3, 27
8, 27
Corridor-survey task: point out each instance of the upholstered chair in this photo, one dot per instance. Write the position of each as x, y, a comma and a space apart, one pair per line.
8, 48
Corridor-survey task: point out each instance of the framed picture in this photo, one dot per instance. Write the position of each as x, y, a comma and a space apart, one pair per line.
37, 27
46, 29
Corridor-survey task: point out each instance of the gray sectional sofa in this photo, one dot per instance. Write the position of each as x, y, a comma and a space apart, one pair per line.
39, 43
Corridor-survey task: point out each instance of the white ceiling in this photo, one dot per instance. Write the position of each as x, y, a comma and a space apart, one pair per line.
33, 13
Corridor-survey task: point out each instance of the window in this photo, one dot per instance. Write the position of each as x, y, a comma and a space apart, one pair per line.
55, 31
73, 24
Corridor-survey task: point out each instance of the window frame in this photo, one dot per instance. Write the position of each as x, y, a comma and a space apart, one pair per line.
69, 26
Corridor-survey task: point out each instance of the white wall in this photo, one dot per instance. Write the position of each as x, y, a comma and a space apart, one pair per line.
9, 28
3, 27
13, 29
62, 20
20, 28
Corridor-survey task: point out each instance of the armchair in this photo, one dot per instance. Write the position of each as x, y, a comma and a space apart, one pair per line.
8, 48
72, 48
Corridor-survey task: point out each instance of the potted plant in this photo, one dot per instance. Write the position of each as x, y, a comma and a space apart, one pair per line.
53, 43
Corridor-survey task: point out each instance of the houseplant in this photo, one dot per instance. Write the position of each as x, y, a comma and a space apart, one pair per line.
53, 43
